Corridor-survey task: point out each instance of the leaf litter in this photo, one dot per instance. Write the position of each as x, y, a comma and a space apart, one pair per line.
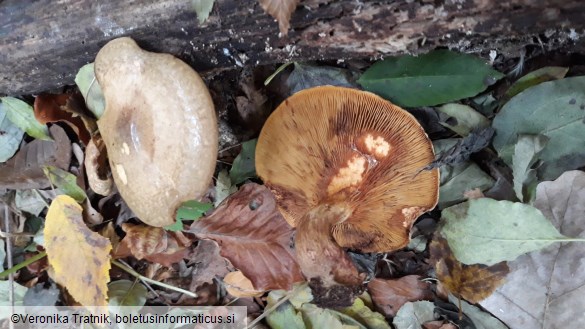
246, 233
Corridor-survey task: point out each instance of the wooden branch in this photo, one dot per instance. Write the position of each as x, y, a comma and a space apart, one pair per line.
43, 43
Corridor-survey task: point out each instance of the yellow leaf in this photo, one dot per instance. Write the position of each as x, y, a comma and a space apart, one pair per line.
281, 10
80, 258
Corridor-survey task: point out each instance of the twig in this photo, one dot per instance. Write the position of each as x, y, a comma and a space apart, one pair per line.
156, 283
229, 148
143, 282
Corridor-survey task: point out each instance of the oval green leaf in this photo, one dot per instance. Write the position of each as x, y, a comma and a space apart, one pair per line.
65, 182
22, 115
554, 109
91, 90
486, 231
10, 136
435, 78
535, 77
244, 166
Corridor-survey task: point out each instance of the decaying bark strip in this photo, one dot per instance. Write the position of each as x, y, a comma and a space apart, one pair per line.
43, 43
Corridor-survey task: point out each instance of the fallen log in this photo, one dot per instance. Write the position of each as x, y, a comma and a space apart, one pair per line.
43, 43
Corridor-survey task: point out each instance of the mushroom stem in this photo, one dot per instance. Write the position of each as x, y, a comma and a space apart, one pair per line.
319, 256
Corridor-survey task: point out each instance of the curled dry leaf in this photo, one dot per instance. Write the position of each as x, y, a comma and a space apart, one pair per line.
470, 282
254, 236
153, 244
97, 170
79, 257
25, 169
54, 108
390, 295
281, 10
238, 285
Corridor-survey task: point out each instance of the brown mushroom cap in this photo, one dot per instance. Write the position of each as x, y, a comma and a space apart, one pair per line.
159, 127
339, 146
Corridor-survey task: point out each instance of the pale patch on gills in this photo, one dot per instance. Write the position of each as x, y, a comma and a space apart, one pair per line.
350, 175
377, 146
410, 214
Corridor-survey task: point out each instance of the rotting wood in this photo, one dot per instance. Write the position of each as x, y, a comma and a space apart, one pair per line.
43, 43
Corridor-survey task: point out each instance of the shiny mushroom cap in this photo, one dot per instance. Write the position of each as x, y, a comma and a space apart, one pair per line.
339, 148
159, 128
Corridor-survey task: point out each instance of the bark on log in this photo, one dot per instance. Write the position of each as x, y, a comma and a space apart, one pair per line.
43, 43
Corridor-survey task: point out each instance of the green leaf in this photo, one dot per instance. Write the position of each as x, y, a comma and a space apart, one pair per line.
525, 155
316, 317
243, 166
535, 77
22, 115
65, 182
189, 210
284, 316
203, 9
360, 312
462, 119
438, 77
459, 178
126, 293
413, 315
305, 76
91, 90
554, 109
10, 136
486, 231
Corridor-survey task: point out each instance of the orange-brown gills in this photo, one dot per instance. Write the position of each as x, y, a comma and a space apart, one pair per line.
346, 169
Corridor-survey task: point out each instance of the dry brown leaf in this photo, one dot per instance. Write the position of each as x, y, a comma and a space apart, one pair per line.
79, 257
254, 236
390, 295
54, 108
25, 169
206, 264
238, 285
153, 244
470, 282
545, 288
281, 10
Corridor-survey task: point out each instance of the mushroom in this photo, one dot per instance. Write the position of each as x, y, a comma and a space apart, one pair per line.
346, 168
159, 128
